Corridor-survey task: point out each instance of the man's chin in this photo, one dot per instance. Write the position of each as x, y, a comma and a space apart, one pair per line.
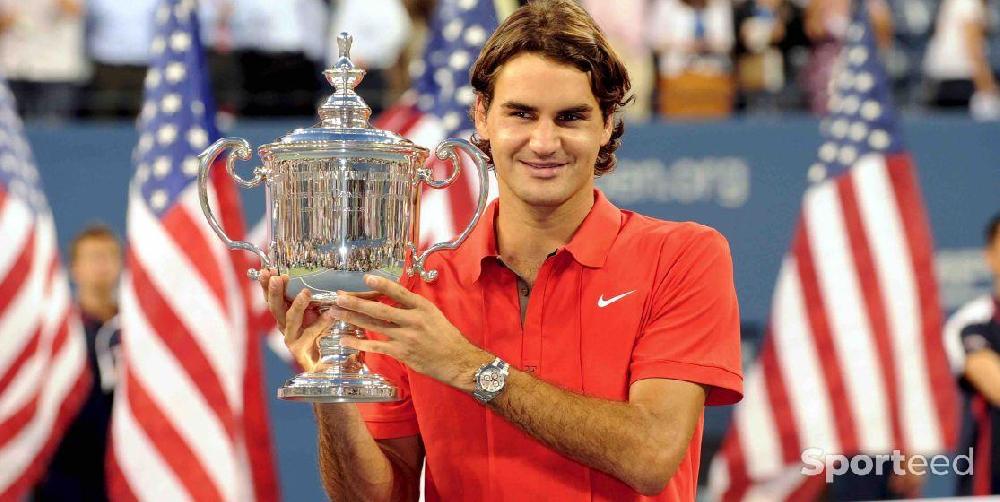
544, 198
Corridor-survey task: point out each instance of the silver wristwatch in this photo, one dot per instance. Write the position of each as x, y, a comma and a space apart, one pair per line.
490, 379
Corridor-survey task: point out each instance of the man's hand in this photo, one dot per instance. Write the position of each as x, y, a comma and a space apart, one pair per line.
300, 324
417, 334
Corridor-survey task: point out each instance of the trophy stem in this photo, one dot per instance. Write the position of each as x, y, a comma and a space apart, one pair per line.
337, 359
340, 375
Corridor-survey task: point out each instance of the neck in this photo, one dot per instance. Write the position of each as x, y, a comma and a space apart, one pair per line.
98, 304
527, 234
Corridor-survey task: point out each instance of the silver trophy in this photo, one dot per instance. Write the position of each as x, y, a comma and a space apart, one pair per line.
343, 201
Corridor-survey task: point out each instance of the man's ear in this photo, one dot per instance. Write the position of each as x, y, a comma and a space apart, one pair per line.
479, 117
609, 127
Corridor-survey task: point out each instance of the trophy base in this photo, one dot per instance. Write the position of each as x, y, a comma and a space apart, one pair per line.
336, 387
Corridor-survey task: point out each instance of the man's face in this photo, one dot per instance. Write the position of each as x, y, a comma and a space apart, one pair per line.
97, 264
545, 130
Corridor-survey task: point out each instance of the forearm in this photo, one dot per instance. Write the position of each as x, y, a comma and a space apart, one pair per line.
982, 75
613, 437
352, 465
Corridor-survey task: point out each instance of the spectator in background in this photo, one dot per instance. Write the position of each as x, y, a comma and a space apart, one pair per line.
76, 471
972, 339
119, 35
956, 62
766, 30
826, 24
382, 28
624, 23
694, 39
280, 46
215, 17
42, 55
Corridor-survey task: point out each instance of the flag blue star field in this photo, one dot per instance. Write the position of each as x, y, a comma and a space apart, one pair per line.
184, 306
853, 358
437, 107
43, 367
860, 119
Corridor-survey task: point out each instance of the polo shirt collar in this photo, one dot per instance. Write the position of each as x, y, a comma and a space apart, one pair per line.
480, 244
589, 245
592, 242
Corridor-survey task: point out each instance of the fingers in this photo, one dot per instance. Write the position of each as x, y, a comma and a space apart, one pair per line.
303, 348
365, 321
276, 298
293, 318
395, 291
372, 309
264, 279
365, 345
367, 295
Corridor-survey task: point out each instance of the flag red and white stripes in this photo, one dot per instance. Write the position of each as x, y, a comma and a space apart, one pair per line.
853, 353
43, 368
43, 358
189, 419
181, 403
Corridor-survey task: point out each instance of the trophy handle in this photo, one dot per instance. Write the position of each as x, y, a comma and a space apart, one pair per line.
238, 148
447, 150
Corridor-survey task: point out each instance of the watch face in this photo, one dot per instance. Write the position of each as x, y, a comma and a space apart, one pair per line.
491, 380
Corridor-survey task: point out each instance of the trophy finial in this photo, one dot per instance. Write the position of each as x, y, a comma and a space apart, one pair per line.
344, 41
344, 109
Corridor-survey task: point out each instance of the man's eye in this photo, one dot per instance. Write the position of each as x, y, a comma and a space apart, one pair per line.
520, 115
570, 117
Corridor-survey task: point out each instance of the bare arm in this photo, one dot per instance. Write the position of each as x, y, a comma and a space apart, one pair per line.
982, 370
641, 442
352, 464
975, 43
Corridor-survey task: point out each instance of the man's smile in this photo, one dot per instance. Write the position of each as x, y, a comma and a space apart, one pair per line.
544, 169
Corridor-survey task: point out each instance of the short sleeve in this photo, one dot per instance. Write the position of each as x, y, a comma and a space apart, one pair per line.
969, 330
693, 327
395, 419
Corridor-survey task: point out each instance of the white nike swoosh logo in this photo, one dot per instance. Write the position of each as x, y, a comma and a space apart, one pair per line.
601, 302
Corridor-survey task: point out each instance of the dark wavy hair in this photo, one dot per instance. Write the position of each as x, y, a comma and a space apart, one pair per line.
559, 30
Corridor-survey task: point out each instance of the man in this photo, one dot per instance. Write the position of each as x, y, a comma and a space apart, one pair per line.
77, 468
567, 348
972, 337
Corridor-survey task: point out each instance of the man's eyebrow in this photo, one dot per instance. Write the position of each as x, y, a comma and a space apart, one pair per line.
521, 107
577, 109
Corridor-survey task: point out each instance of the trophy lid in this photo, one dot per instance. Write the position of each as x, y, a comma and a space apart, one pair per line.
343, 117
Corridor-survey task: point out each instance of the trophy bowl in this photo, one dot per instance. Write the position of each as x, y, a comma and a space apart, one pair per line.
343, 200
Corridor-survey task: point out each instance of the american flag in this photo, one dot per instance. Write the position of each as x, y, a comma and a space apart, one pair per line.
189, 420
853, 360
43, 366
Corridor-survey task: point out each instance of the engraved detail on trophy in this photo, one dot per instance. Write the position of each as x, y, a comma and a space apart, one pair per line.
342, 201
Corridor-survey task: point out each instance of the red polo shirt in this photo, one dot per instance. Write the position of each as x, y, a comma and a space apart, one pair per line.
628, 298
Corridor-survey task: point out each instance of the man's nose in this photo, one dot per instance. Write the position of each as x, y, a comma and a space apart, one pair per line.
544, 138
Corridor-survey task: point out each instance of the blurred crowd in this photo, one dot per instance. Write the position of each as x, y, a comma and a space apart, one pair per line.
689, 59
